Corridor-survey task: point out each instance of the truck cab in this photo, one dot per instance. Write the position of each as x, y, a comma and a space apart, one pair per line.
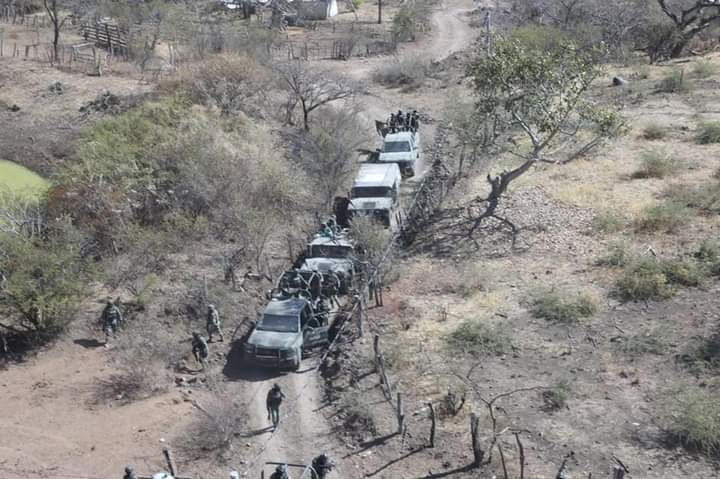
402, 148
287, 327
376, 192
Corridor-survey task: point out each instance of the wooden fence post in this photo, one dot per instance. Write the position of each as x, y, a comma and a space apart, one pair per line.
432, 424
401, 414
360, 313
376, 349
478, 453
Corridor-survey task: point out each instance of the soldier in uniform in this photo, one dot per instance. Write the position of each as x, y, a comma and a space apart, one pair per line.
408, 121
129, 473
273, 401
414, 121
213, 323
111, 319
280, 472
200, 349
321, 466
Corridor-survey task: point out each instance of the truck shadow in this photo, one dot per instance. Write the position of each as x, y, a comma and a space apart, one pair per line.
236, 369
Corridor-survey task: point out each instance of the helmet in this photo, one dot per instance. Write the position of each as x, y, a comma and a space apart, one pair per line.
281, 468
128, 470
276, 386
211, 306
196, 334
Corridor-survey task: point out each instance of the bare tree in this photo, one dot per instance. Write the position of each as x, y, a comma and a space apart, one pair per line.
689, 17
58, 18
313, 88
327, 151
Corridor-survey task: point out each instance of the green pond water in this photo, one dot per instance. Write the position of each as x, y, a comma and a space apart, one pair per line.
18, 179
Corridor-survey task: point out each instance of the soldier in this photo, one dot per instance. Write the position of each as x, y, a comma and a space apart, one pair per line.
273, 401
398, 120
213, 323
326, 231
200, 349
280, 472
414, 121
408, 121
111, 318
391, 122
129, 473
321, 466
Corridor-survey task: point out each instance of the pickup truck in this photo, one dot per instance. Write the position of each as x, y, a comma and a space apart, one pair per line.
335, 255
402, 148
287, 327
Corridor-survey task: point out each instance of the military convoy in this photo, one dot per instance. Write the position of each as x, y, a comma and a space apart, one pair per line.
302, 307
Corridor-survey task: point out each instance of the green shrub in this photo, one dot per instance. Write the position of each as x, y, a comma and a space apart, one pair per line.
654, 131
618, 255
642, 344
667, 216
705, 198
642, 72
704, 69
652, 278
539, 38
556, 397
643, 279
703, 354
563, 308
708, 132
681, 271
674, 82
655, 164
693, 421
411, 18
709, 255
477, 337
608, 222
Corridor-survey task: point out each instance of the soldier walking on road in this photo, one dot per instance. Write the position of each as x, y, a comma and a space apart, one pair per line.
129, 473
200, 350
111, 319
213, 323
321, 466
280, 472
273, 401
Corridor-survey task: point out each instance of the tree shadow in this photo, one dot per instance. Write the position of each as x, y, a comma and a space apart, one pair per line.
89, 343
457, 470
364, 446
394, 461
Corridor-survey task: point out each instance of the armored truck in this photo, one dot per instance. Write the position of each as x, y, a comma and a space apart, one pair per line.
287, 327
376, 192
402, 148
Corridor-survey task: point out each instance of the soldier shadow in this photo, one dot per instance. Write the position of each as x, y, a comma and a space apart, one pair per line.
89, 343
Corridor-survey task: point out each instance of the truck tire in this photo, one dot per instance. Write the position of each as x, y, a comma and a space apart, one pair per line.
410, 171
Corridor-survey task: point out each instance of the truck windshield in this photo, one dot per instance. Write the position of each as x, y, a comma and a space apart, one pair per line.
396, 146
278, 324
329, 251
370, 192
380, 216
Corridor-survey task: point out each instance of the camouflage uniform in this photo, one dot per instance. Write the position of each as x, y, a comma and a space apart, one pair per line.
213, 323
280, 473
111, 319
321, 466
273, 401
129, 473
200, 349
